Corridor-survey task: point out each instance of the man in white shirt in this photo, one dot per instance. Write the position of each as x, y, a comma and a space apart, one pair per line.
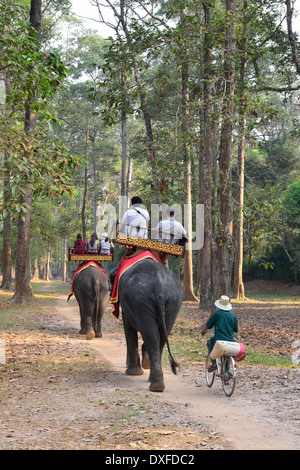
135, 221
170, 230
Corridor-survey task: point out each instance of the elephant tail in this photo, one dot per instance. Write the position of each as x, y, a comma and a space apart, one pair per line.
174, 364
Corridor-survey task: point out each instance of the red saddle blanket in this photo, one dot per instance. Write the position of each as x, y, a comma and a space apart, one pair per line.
81, 268
125, 264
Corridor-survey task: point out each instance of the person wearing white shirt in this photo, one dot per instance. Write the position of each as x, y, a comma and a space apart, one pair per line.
135, 221
170, 230
105, 245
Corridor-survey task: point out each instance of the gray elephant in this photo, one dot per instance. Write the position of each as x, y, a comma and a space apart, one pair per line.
92, 288
150, 296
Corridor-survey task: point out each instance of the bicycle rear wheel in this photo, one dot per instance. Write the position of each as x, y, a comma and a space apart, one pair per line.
228, 375
209, 376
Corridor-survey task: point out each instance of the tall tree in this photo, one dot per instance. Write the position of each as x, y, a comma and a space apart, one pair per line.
238, 285
206, 156
188, 291
7, 248
23, 290
224, 239
126, 42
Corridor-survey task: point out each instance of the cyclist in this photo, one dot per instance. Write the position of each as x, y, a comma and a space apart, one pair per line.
225, 323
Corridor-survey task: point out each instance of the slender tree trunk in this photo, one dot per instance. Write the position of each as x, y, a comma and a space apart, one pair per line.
64, 260
206, 166
94, 177
35, 270
85, 187
149, 130
23, 290
188, 291
143, 98
238, 285
224, 240
123, 137
6, 257
129, 174
124, 186
292, 36
48, 264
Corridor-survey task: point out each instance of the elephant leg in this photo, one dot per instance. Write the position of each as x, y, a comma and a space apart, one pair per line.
86, 323
133, 358
97, 323
145, 358
99, 314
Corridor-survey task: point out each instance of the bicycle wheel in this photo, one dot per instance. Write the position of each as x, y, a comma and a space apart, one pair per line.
228, 375
209, 376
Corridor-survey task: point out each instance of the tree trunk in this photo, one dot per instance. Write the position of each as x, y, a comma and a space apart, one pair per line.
6, 257
23, 290
188, 291
144, 105
85, 186
129, 174
238, 285
124, 185
94, 177
64, 260
224, 239
47, 277
292, 36
149, 130
35, 270
123, 138
206, 166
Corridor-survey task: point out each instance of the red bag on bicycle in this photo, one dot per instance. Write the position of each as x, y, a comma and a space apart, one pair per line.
242, 354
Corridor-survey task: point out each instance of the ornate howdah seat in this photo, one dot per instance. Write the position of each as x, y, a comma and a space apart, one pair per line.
150, 244
90, 256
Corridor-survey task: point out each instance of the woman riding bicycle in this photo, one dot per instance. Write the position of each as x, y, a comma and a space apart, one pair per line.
225, 323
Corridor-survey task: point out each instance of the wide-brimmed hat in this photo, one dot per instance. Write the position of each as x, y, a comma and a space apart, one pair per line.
223, 303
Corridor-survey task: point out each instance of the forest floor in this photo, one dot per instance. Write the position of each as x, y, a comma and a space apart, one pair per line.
61, 392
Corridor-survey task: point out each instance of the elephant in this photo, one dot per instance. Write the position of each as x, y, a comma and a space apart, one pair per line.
150, 296
92, 289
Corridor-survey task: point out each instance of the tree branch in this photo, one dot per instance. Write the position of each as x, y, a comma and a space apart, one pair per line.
278, 89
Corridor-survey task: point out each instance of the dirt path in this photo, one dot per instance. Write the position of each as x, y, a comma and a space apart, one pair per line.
263, 413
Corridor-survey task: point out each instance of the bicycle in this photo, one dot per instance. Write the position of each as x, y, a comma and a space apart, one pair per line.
226, 370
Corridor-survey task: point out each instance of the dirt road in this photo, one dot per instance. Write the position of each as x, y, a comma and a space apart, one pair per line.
263, 413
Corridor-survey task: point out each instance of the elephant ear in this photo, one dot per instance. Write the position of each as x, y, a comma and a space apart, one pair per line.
112, 276
70, 275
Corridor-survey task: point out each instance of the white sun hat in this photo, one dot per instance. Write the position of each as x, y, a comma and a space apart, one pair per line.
223, 303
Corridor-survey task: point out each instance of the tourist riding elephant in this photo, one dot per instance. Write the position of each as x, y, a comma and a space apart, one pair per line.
91, 287
150, 296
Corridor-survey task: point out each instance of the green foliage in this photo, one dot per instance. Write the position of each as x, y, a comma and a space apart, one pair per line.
30, 70
291, 201
37, 161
